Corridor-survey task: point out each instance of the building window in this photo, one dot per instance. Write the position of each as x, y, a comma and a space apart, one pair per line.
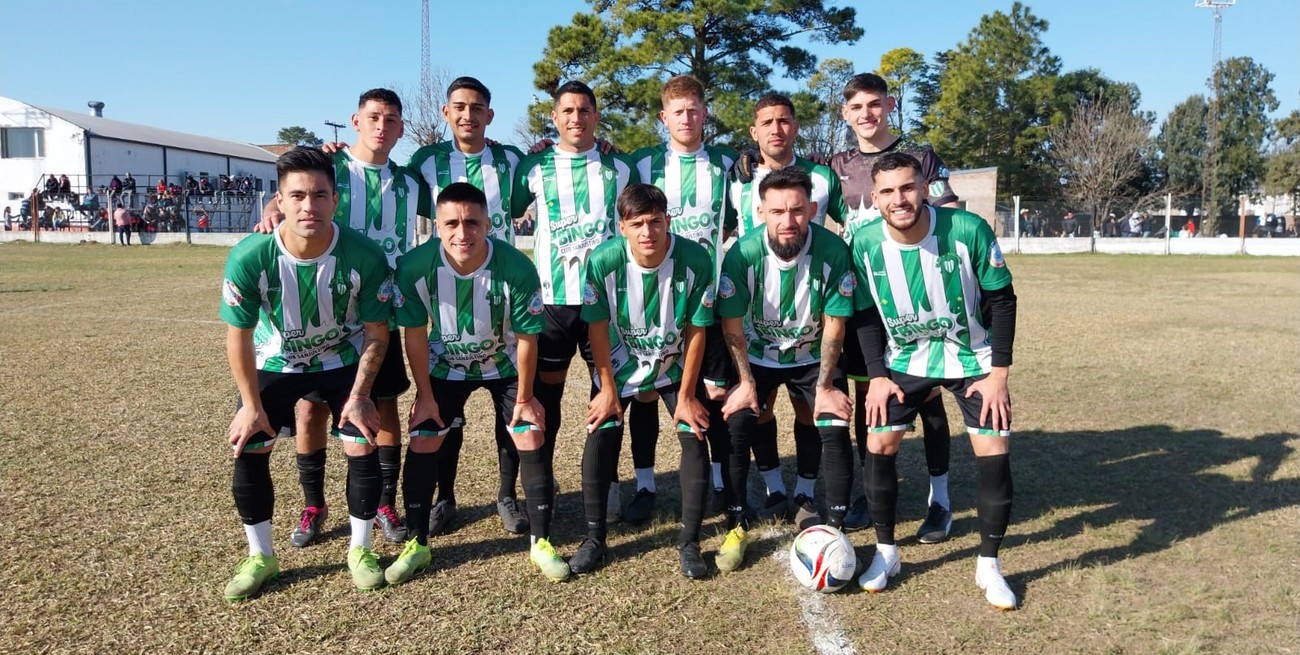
16, 142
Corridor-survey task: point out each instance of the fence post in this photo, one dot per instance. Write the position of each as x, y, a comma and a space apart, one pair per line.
1015, 218
185, 208
1169, 219
1241, 202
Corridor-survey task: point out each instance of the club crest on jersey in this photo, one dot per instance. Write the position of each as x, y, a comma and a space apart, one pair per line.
936, 188
707, 298
535, 305
847, 285
948, 263
399, 190
995, 256
608, 174
501, 166
726, 288
588, 294
679, 284
230, 294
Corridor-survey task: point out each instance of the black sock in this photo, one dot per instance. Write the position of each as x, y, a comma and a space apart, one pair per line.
736, 489
599, 455
643, 429
807, 450
860, 426
311, 475
838, 473
390, 470
763, 443
882, 495
538, 492
252, 487
994, 507
717, 435
935, 435
507, 460
363, 485
549, 397
417, 490
694, 472
448, 462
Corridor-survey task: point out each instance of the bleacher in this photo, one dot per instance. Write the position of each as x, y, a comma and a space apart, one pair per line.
232, 204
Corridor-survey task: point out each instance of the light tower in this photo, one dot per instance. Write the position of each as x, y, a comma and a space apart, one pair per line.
1210, 171
425, 106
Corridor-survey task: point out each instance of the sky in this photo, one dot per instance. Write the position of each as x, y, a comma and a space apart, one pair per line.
242, 70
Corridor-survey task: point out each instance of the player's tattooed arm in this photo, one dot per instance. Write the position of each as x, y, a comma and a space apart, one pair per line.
359, 410
831, 400
832, 348
735, 339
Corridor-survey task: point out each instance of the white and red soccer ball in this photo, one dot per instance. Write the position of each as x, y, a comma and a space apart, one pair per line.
822, 559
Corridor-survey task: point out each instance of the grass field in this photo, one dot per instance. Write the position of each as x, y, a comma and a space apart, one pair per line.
1157, 491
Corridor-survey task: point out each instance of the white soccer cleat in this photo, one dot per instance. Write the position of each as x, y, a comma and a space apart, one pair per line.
988, 575
883, 567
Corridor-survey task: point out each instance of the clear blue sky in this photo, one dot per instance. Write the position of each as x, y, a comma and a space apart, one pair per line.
242, 70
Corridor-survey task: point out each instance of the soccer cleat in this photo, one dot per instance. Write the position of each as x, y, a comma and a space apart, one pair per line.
613, 505
806, 514
513, 516
732, 552
858, 517
253, 572
309, 526
641, 508
441, 516
364, 566
719, 505
386, 519
548, 561
988, 575
414, 558
935, 527
776, 508
882, 568
693, 565
590, 555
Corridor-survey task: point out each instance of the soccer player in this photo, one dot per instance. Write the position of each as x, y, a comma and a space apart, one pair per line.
867, 106
775, 130
573, 188
307, 309
468, 157
784, 297
693, 177
482, 298
929, 271
647, 298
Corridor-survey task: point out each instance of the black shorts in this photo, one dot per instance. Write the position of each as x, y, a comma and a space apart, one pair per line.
800, 381
852, 361
668, 394
717, 370
452, 394
917, 390
563, 333
281, 391
391, 381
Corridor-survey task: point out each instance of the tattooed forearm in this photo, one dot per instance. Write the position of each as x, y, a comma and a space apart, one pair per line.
739, 354
831, 349
372, 356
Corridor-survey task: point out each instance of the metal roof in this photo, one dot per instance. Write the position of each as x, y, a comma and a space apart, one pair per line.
111, 129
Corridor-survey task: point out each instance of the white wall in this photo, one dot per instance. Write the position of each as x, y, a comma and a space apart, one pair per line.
109, 157
64, 151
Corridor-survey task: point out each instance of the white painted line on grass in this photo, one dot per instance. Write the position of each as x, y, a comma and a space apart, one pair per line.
827, 634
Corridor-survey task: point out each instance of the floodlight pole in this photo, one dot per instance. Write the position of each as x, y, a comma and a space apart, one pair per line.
1169, 217
1015, 217
1241, 202
336, 127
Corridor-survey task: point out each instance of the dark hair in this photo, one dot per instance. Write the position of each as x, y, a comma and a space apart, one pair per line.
472, 84
304, 160
382, 96
773, 100
790, 177
462, 192
868, 82
895, 161
574, 86
640, 199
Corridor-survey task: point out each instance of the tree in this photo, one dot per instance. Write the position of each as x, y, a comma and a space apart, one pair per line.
901, 67
1181, 148
1282, 168
826, 132
298, 136
926, 91
626, 49
1099, 153
423, 116
1245, 100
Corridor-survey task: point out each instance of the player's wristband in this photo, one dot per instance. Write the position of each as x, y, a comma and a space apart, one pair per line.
523, 402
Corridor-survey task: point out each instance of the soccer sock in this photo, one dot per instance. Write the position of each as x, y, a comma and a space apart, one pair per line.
860, 426
252, 487
390, 469
417, 490
839, 472
994, 508
643, 429
363, 485
736, 484
537, 476
716, 470
805, 486
693, 471
601, 447
645, 479
311, 475
360, 532
507, 459
807, 455
259, 538
882, 495
448, 462
719, 440
939, 491
549, 396
766, 457
772, 478
935, 435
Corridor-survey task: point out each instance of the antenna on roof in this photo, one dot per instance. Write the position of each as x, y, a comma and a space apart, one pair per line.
96, 108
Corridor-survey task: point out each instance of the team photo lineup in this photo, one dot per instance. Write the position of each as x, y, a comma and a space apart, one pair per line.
685, 273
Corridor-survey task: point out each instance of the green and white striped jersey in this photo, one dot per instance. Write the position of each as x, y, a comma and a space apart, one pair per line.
696, 186
492, 170
648, 309
306, 315
376, 201
574, 197
928, 294
475, 317
826, 193
783, 302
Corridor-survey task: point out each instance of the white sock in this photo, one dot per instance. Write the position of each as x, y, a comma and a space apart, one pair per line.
717, 475
360, 532
889, 551
939, 491
804, 486
259, 538
645, 479
773, 481
988, 565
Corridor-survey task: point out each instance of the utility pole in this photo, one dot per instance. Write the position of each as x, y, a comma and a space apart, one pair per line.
336, 127
1210, 171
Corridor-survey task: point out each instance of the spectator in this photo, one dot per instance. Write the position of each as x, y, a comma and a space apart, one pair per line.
114, 187
128, 183
51, 187
1069, 226
205, 187
9, 218
162, 186
204, 221
65, 187
1136, 225
122, 221
89, 201
1189, 229
1026, 225
191, 185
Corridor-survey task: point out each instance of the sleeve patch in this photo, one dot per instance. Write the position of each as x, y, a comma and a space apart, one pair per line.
535, 305
230, 294
995, 256
726, 288
387, 290
707, 298
589, 294
847, 285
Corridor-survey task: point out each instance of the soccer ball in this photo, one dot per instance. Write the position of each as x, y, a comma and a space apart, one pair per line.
822, 559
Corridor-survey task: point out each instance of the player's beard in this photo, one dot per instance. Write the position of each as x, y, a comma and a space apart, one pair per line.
790, 251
